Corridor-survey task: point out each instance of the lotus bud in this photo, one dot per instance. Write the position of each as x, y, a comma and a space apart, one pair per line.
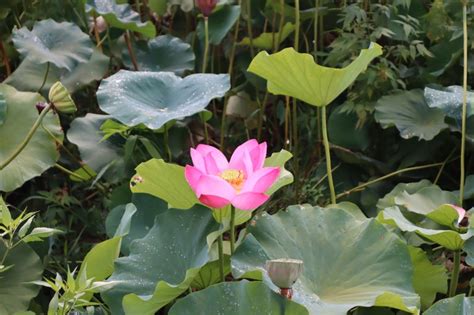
284, 273
61, 99
206, 6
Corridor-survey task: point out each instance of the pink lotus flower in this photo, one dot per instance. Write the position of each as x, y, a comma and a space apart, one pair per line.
242, 181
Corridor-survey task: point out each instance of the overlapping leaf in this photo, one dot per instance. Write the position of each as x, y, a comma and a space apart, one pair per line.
411, 115
62, 44
163, 53
40, 153
291, 73
155, 98
162, 265
379, 273
120, 16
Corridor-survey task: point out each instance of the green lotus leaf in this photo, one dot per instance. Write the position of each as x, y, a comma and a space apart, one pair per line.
155, 98
425, 200
458, 305
279, 159
450, 100
147, 208
411, 115
291, 73
389, 199
447, 238
86, 134
120, 16
269, 40
379, 273
40, 153
16, 291
162, 265
469, 187
344, 131
30, 75
220, 23
428, 279
165, 181
3, 109
163, 53
469, 249
62, 44
210, 274
237, 298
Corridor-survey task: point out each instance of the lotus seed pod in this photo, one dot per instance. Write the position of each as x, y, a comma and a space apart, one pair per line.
284, 272
61, 99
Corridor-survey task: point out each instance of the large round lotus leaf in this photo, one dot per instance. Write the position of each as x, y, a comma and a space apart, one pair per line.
162, 265
62, 44
120, 16
438, 234
294, 74
86, 134
148, 207
163, 53
15, 289
348, 262
237, 298
411, 115
458, 305
30, 75
450, 100
154, 98
40, 153
344, 131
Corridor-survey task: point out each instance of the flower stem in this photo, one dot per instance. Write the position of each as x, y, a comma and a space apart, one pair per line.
327, 152
167, 143
130, 50
229, 71
249, 27
206, 44
464, 107
232, 230
28, 137
379, 179
45, 77
220, 247
455, 273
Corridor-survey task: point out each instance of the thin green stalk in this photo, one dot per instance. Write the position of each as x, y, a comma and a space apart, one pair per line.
261, 114
167, 143
229, 71
464, 107
232, 230
130, 50
28, 137
297, 24
206, 44
280, 27
220, 247
443, 166
249, 27
45, 77
455, 273
327, 152
70, 173
379, 179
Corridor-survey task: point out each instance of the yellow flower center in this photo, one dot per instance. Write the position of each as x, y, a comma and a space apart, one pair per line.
233, 177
